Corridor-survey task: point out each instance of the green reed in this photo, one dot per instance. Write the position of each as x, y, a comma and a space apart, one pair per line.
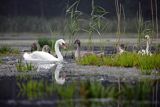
72, 24
24, 67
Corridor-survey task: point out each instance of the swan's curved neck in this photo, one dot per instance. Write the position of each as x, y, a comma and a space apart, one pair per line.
58, 53
78, 50
147, 46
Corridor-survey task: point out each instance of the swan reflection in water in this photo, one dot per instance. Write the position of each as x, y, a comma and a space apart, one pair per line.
59, 80
56, 72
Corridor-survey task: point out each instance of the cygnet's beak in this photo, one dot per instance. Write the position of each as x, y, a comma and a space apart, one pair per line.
64, 45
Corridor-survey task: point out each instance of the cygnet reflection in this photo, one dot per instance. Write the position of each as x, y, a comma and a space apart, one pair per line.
59, 80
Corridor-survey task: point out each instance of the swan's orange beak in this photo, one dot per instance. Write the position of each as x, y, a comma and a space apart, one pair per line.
64, 45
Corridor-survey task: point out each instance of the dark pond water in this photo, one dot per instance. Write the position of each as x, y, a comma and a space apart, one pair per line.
31, 91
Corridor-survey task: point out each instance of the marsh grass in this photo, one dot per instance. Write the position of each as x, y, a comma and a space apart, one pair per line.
144, 62
21, 67
7, 50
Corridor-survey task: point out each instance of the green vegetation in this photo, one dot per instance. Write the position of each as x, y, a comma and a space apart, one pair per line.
7, 50
21, 67
37, 89
72, 21
96, 23
46, 41
143, 62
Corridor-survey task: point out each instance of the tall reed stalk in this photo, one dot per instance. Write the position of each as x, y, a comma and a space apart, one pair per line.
118, 12
140, 24
124, 20
156, 7
96, 23
152, 13
73, 21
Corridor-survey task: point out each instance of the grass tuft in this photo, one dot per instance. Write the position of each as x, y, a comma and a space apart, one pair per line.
7, 50
21, 67
144, 62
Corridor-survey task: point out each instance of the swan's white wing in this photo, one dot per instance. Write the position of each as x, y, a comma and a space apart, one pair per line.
39, 57
43, 56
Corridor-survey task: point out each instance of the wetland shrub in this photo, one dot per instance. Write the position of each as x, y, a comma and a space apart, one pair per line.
143, 62
46, 41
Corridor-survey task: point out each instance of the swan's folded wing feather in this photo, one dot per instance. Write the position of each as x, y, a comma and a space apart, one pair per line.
43, 56
39, 57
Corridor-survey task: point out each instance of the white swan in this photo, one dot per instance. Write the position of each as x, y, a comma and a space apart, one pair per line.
146, 51
120, 49
59, 80
40, 56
